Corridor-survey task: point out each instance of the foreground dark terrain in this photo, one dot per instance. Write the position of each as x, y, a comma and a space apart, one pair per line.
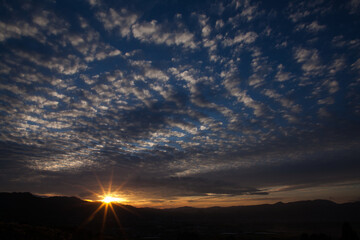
25, 216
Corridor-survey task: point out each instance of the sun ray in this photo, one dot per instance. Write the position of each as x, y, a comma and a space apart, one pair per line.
116, 217
121, 185
108, 198
104, 218
125, 208
101, 186
91, 217
110, 182
118, 220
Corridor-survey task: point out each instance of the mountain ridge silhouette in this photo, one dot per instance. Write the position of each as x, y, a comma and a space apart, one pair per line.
297, 208
73, 215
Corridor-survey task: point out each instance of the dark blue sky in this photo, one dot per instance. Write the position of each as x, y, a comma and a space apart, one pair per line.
184, 102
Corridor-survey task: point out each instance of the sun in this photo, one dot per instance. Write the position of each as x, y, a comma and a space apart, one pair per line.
111, 199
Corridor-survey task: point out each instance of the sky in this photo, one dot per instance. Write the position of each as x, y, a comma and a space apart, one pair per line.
181, 103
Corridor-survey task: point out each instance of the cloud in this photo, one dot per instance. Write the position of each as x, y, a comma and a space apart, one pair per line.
127, 24
241, 38
243, 97
13, 31
305, 167
298, 11
149, 71
219, 24
90, 45
260, 68
120, 21
247, 10
94, 2
154, 32
67, 65
282, 76
356, 65
310, 60
353, 6
285, 102
44, 24
311, 173
178, 103
295, 17
191, 186
333, 86
313, 27
206, 29
337, 66
323, 113
328, 101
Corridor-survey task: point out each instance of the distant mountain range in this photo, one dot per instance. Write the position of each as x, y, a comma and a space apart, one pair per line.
73, 214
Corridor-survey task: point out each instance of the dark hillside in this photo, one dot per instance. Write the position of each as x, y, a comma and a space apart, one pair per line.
68, 218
